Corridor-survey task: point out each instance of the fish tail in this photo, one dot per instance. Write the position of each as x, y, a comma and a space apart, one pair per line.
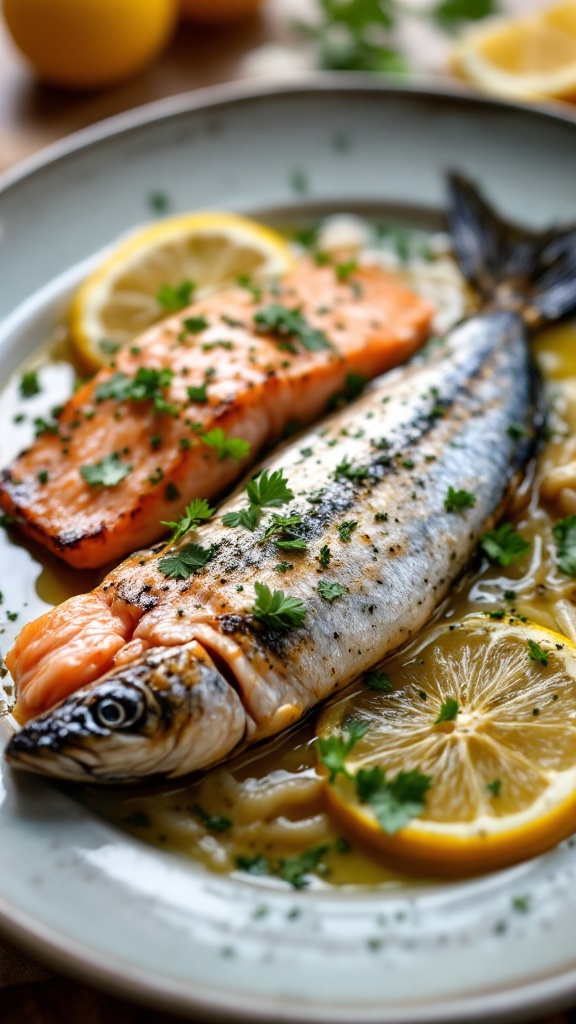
528, 272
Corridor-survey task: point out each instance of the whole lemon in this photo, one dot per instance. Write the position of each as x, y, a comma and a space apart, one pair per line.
87, 44
218, 12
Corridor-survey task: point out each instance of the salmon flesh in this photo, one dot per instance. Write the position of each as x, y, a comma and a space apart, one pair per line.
159, 674
190, 403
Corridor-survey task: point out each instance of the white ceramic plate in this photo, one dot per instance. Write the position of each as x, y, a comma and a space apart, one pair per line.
152, 925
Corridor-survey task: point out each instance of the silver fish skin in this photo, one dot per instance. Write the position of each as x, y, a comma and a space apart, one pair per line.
209, 677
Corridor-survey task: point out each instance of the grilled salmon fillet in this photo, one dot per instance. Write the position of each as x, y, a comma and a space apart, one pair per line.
166, 424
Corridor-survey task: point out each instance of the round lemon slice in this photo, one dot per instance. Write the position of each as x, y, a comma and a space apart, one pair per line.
527, 58
167, 265
464, 760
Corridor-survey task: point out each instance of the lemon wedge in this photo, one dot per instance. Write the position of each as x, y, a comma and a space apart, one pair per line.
184, 258
526, 58
474, 739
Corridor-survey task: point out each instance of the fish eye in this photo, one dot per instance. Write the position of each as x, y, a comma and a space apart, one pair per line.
118, 712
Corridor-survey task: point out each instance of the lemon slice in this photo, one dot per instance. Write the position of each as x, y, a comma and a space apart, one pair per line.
196, 254
501, 766
522, 58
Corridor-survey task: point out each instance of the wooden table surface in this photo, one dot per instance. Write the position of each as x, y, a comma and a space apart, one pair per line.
31, 117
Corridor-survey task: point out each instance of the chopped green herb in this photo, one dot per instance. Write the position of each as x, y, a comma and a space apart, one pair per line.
276, 609
175, 297
269, 490
324, 556
294, 869
564, 534
233, 447
213, 822
330, 591
42, 476
246, 282
291, 328
521, 904
283, 566
195, 324
517, 431
346, 470
280, 524
187, 561
109, 348
158, 202
42, 426
157, 476
448, 711
257, 864
345, 530
381, 517
449, 14
109, 472
396, 801
494, 787
197, 394
379, 680
344, 270
537, 653
147, 385
504, 545
29, 384
247, 517
333, 750
456, 500
196, 512
291, 544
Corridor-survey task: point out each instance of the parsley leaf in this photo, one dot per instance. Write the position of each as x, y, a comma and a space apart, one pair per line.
564, 534
330, 591
29, 384
448, 14
537, 653
448, 711
247, 517
106, 473
213, 822
269, 490
455, 500
292, 544
333, 750
293, 869
378, 680
324, 556
175, 297
394, 801
276, 610
189, 560
494, 787
197, 394
290, 327
235, 447
196, 512
504, 545
345, 469
345, 530
283, 566
147, 385
195, 324
255, 864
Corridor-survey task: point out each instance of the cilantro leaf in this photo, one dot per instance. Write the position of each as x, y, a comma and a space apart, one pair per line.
196, 512
175, 297
379, 681
235, 447
448, 711
324, 556
269, 490
456, 501
107, 473
537, 653
333, 750
564, 534
29, 384
394, 801
187, 561
330, 591
346, 529
293, 869
276, 609
504, 545
290, 327
198, 393
247, 517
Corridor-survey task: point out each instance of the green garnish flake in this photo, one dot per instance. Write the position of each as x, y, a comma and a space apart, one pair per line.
158, 202
245, 281
280, 524
324, 556
396, 801
346, 470
109, 348
344, 270
333, 750
213, 822
353, 387
175, 297
269, 490
109, 472
42, 426
276, 609
345, 530
379, 681
247, 517
196, 512
29, 384
494, 787
517, 431
448, 711
233, 447
197, 393
195, 324
147, 385
505, 545
255, 864
186, 562
564, 534
292, 544
294, 869
449, 14
283, 566
537, 653
458, 500
290, 328
330, 591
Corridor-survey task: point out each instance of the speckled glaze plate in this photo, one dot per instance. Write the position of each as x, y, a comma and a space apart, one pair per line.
141, 921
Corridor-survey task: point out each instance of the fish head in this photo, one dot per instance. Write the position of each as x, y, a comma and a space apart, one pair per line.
163, 715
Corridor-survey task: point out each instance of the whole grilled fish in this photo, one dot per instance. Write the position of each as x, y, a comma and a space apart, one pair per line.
332, 557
